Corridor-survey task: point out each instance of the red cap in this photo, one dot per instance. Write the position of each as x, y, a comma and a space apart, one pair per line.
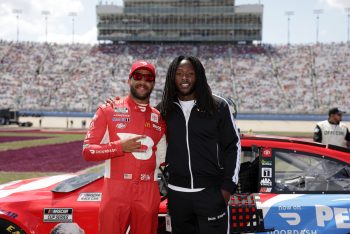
141, 64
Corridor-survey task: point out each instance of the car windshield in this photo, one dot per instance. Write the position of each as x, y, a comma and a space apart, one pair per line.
77, 182
297, 171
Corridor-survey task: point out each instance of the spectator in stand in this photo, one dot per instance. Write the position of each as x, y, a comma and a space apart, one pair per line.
83, 123
332, 131
274, 78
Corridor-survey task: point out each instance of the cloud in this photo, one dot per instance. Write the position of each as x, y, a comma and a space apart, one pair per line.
32, 22
90, 37
57, 8
340, 4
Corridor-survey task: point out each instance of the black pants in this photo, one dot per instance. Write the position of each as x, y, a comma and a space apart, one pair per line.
203, 212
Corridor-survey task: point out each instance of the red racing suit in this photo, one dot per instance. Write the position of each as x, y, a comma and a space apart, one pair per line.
130, 195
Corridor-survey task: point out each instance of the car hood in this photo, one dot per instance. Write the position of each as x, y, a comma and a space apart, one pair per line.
38, 187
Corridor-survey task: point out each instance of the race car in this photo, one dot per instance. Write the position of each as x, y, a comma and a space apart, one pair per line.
287, 185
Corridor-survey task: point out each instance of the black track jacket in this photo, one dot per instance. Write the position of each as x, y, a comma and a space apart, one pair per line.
204, 152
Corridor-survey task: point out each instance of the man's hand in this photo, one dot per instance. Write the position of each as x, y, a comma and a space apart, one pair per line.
110, 100
226, 195
132, 144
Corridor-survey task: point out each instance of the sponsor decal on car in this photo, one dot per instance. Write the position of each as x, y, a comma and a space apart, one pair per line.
293, 231
326, 214
291, 218
60, 215
266, 172
266, 182
8, 213
316, 215
89, 197
267, 152
265, 189
265, 162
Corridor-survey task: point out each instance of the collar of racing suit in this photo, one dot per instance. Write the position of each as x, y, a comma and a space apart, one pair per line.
135, 106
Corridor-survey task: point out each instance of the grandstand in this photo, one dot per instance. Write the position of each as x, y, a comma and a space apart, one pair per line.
261, 79
179, 21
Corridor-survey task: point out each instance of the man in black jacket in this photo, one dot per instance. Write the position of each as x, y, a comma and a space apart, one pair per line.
203, 150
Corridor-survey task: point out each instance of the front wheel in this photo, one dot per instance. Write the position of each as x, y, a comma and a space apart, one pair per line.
9, 227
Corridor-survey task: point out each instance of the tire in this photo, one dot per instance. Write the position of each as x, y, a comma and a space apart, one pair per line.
5, 224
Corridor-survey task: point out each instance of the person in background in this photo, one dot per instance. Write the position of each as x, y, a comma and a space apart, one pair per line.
203, 153
83, 123
332, 131
130, 137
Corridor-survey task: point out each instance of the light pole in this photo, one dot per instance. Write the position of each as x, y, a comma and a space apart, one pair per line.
317, 13
72, 14
45, 13
348, 11
289, 14
17, 12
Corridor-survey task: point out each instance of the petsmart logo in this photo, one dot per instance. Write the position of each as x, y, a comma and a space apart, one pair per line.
307, 213
339, 215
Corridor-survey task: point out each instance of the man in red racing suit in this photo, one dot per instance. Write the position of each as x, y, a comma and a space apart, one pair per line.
130, 137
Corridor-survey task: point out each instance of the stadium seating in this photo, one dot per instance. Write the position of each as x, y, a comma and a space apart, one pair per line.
261, 79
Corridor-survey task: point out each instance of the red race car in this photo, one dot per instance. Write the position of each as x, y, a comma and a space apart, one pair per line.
287, 185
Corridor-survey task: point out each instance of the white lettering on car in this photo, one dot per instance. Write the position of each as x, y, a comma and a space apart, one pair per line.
326, 214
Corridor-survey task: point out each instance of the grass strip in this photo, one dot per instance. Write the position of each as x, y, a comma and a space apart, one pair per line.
12, 176
54, 139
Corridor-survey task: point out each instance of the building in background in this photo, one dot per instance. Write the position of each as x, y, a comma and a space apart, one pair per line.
180, 21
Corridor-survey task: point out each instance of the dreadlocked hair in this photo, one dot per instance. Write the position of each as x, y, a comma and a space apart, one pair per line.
203, 95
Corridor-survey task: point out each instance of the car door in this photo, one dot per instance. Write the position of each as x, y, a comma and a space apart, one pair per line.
302, 192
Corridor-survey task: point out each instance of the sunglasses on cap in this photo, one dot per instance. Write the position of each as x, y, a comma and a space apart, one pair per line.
148, 77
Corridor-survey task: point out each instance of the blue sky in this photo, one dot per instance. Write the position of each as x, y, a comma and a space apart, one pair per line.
333, 22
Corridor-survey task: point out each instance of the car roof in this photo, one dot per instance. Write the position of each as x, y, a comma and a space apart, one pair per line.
298, 144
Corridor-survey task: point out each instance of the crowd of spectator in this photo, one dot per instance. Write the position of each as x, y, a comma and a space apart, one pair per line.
260, 78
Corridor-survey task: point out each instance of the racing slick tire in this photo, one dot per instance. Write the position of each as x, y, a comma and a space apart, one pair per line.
9, 227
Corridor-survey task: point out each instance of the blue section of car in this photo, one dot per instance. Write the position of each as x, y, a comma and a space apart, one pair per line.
321, 214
